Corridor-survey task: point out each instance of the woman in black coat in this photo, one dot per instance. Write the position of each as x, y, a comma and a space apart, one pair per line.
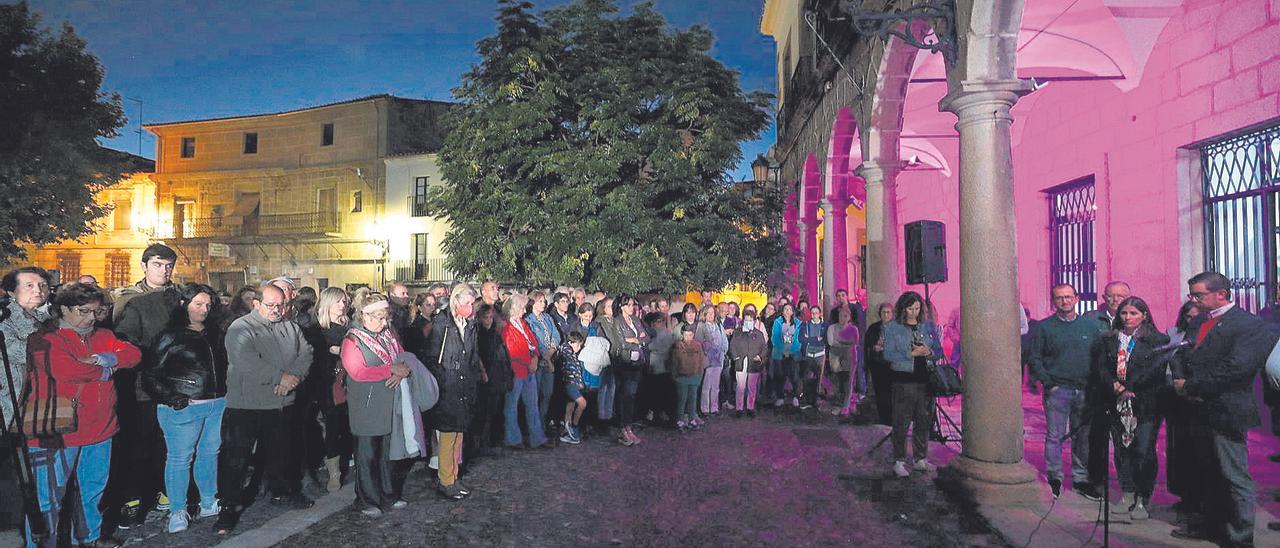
1130, 372
326, 382
877, 366
453, 357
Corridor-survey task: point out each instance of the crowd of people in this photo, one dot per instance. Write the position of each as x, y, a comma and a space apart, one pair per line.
184, 394
182, 390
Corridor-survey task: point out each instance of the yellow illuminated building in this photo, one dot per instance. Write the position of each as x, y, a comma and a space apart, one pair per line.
329, 195
111, 255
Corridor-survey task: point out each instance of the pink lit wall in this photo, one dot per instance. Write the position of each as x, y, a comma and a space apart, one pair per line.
1214, 69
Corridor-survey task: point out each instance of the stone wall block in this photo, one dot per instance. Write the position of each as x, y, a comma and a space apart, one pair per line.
1238, 21
1238, 90
1255, 48
1204, 71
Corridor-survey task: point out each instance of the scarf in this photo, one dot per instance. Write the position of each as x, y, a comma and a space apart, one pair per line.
84, 332
383, 345
1124, 406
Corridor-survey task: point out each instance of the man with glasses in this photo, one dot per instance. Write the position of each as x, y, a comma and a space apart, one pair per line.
267, 357
1060, 359
1216, 381
141, 312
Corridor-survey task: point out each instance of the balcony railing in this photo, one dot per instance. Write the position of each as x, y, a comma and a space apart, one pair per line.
429, 270
290, 224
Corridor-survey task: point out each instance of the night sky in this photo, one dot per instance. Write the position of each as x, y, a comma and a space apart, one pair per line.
207, 59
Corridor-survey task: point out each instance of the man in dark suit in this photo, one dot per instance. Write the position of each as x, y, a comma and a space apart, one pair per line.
1231, 346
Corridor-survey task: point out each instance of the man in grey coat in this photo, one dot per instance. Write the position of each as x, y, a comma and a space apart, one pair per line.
267, 357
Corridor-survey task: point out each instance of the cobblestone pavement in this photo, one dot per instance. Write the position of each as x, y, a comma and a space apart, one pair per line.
784, 479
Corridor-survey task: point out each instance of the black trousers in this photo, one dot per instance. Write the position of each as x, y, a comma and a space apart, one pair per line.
338, 441
628, 387
882, 386
379, 480
657, 394
138, 454
810, 369
242, 429
486, 424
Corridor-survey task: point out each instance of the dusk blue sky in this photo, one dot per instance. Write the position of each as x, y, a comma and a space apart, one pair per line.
207, 59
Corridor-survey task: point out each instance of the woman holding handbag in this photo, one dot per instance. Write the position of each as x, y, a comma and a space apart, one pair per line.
628, 344
73, 359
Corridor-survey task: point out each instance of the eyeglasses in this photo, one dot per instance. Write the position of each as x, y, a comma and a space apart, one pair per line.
1198, 295
97, 312
275, 306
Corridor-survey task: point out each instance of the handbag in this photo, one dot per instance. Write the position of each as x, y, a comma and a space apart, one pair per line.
50, 414
944, 378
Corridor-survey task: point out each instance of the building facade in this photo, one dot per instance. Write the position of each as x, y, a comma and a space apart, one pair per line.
111, 255
305, 194
1074, 142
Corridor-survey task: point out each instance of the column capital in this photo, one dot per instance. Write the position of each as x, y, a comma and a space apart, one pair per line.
983, 100
834, 205
878, 172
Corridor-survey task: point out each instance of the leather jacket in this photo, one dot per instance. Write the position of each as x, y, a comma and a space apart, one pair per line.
190, 365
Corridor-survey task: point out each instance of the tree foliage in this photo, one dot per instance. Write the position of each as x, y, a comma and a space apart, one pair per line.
591, 149
51, 113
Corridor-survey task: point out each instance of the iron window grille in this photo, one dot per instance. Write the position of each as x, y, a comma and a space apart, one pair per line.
420, 257
1242, 213
1072, 212
118, 270
420, 186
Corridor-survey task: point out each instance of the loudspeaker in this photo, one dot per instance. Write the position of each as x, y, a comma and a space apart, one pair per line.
926, 252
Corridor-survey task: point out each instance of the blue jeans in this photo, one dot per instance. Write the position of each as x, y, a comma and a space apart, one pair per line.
1064, 412
195, 431
604, 405
53, 470
687, 396
526, 391
546, 384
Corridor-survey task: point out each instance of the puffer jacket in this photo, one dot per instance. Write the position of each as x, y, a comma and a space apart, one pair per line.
689, 358
453, 357
190, 365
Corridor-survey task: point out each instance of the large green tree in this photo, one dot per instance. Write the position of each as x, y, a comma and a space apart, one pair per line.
591, 148
51, 113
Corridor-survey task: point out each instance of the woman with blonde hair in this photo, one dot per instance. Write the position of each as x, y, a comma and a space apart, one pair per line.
522, 348
452, 357
328, 379
714, 344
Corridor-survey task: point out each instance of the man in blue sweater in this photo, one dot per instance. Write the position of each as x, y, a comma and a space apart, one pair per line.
1059, 354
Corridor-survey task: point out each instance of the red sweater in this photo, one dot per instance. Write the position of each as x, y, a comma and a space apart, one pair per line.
96, 418
521, 347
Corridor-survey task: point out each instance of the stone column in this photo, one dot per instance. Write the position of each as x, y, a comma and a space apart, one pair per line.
882, 232
992, 410
835, 264
809, 235
790, 218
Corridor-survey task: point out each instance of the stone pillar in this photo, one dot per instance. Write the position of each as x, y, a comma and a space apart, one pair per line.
809, 237
835, 264
882, 232
992, 413
790, 218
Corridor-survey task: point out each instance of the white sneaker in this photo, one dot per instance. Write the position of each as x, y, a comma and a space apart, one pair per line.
399, 504
900, 469
178, 521
923, 465
795, 402
778, 402
210, 511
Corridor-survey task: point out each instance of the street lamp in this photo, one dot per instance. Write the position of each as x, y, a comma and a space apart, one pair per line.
760, 169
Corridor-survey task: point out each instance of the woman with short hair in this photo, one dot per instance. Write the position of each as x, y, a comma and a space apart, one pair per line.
522, 348
375, 364
628, 347
453, 359
710, 334
189, 384
877, 367
75, 359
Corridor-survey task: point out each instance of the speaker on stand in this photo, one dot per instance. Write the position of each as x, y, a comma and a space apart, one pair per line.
926, 246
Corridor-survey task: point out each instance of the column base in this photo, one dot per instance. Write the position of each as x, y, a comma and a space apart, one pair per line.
991, 472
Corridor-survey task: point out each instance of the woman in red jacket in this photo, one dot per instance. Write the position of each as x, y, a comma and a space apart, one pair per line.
81, 359
522, 347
